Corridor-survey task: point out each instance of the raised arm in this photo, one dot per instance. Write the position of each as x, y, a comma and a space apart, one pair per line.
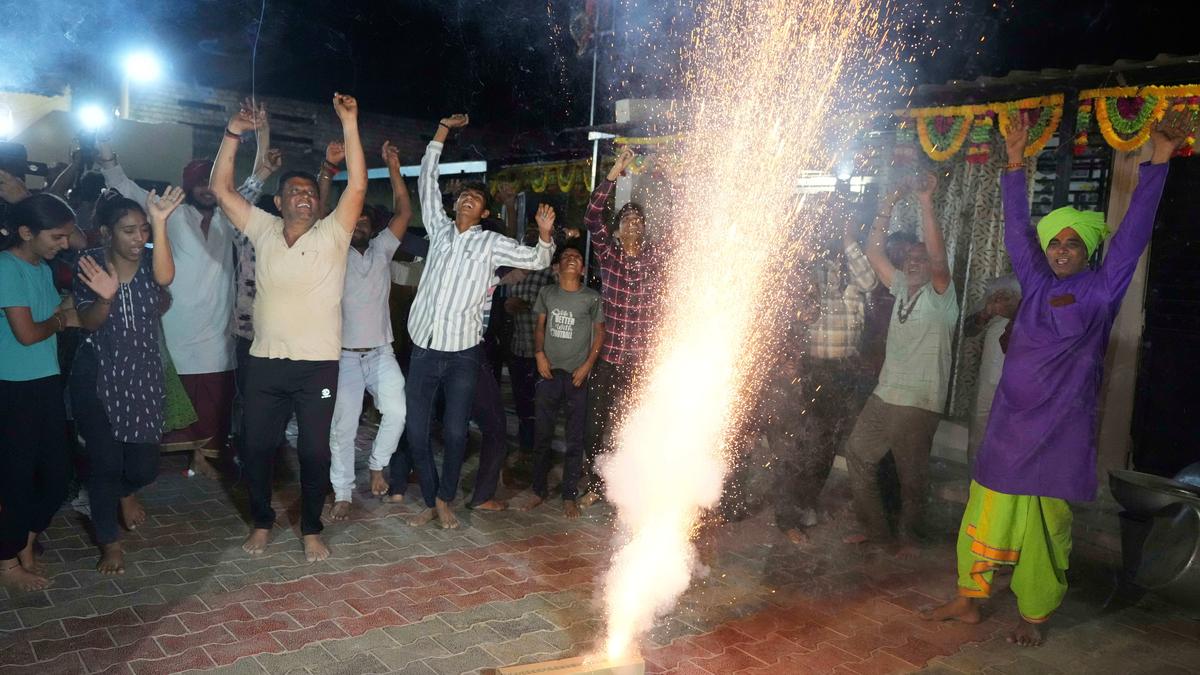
1019, 237
401, 204
66, 178
877, 241
862, 276
114, 175
1132, 237
335, 154
432, 213
508, 253
158, 209
593, 218
349, 206
232, 203
939, 266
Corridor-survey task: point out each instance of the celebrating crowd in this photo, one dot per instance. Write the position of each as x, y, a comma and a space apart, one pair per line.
209, 316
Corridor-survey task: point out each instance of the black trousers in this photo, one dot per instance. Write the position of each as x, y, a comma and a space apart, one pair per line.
116, 469
34, 462
552, 396
276, 388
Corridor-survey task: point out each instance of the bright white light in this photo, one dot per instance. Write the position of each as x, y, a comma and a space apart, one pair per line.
92, 117
845, 171
7, 125
143, 67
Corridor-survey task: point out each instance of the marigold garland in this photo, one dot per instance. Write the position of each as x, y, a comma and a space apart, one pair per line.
980, 149
945, 145
1043, 128
1083, 120
1104, 118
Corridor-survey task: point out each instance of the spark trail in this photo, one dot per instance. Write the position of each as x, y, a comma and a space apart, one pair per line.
763, 80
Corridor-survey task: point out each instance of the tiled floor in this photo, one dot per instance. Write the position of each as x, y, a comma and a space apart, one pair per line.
518, 587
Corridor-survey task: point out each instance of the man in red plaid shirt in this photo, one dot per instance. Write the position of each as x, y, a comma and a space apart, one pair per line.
629, 271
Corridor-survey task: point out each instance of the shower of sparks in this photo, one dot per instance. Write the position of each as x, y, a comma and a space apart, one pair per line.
769, 89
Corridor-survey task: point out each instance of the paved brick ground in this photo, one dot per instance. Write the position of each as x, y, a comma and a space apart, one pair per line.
519, 587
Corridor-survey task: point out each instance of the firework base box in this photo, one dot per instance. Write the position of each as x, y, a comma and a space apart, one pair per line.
630, 665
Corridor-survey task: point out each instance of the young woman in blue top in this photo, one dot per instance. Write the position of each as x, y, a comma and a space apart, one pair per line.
116, 381
34, 464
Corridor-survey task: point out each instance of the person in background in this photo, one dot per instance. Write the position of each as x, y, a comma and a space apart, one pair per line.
522, 366
34, 461
1039, 451
1001, 298
902, 414
367, 361
116, 382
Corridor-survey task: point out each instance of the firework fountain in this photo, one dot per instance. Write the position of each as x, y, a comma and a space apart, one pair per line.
763, 81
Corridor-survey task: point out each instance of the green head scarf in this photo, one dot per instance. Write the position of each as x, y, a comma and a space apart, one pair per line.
1089, 225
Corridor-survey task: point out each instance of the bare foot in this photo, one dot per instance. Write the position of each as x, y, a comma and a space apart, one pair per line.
13, 575
340, 511
203, 467
379, 486
446, 515
961, 608
314, 549
112, 559
571, 509
908, 551
855, 539
132, 512
535, 501
422, 518
256, 541
1026, 634
27, 556
796, 536
588, 499
492, 505
393, 499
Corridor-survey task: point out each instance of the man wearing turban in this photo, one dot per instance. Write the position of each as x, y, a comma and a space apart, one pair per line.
1039, 450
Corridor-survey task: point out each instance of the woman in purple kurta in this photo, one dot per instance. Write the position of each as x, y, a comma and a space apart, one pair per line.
1039, 451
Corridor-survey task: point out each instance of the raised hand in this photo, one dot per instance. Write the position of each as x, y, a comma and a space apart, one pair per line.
924, 185
545, 221
391, 155
273, 160
346, 106
1017, 137
624, 161
160, 208
335, 153
1170, 133
102, 280
247, 118
456, 121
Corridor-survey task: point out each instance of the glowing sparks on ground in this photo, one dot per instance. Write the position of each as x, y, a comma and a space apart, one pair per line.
762, 78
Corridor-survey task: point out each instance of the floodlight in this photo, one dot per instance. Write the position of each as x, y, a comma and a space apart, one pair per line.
143, 67
92, 117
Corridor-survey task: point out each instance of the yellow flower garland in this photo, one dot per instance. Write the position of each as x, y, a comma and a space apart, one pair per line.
1137, 140
1054, 102
927, 145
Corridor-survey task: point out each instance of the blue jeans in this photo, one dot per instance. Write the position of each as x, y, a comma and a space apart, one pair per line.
455, 374
552, 396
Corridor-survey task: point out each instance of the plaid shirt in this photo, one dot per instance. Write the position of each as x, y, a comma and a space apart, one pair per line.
837, 332
523, 323
243, 252
628, 286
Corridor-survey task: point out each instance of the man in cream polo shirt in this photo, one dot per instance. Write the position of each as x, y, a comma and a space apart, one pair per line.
293, 367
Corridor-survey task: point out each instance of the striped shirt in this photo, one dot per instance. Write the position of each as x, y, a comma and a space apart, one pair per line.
447, 314
837, 332
628, 286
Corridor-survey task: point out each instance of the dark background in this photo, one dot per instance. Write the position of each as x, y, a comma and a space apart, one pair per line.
513, 63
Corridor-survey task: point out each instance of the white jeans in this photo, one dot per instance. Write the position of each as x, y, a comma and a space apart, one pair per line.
378, 372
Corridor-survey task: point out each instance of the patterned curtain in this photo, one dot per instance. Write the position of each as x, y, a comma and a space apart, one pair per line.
969, 212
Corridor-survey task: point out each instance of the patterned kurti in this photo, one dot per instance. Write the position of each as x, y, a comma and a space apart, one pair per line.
130, 380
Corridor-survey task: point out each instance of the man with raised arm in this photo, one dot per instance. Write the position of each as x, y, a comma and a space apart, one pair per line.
1039, 450
197, 325
299, 271
367, 361
446, 321
903, 412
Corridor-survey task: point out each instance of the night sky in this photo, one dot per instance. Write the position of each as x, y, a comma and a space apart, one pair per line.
513, 63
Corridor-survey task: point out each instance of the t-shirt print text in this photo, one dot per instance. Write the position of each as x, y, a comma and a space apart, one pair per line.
562, 324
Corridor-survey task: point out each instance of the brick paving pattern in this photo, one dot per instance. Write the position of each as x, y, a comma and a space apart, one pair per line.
521, 587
